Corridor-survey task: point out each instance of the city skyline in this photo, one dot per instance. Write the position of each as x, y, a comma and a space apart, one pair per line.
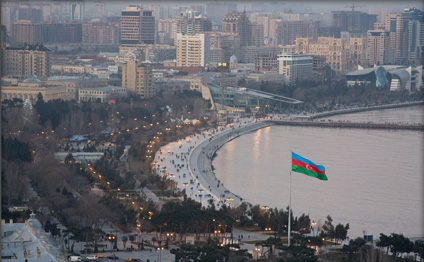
155, 124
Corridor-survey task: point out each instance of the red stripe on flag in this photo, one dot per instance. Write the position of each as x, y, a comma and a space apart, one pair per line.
306, 166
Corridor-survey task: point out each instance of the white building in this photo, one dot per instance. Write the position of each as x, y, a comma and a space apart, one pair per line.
28, 242
193, 50
101, 94
295, 67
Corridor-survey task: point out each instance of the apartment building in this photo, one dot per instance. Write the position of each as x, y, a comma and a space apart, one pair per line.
192, 50
31, 60
138, 79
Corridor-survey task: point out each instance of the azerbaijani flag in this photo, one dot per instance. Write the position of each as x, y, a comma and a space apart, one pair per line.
307, 167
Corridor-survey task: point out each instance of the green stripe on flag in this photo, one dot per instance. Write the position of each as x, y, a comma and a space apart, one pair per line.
308, 172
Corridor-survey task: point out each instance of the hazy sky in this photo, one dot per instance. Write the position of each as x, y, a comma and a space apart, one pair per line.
316, 6
313, 6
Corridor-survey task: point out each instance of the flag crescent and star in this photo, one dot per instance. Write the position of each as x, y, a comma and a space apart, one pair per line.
307, 167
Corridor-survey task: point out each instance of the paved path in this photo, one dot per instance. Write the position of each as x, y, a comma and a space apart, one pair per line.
189, 162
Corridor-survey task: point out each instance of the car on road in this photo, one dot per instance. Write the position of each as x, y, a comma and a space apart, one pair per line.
92, 257
74, 258
100, 255
113, 257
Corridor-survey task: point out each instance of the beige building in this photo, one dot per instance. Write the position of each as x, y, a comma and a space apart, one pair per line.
71, 69
74, 85
223, 45
30, 88
101, 94
340, 55
26, 32
378, 46
169, 26
237, 22
249, 53
30, 60
100, 33
138, 79
193, 50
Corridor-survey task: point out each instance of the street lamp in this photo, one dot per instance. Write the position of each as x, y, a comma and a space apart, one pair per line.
229, 199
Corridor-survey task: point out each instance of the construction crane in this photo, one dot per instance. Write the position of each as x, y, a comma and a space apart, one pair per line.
353, 6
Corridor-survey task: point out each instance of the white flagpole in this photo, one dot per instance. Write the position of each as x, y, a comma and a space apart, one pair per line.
289, 226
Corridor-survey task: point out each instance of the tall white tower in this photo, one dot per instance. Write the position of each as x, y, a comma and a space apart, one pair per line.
77, 11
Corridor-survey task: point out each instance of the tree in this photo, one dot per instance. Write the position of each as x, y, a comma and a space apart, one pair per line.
124, 240
383, 242
341, 231
132, 238
354, 246
400, 244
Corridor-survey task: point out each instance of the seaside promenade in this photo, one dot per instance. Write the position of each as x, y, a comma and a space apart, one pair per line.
189, 162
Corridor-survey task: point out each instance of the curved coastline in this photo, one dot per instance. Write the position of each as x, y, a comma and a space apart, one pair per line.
201, 157
194, 162
202, 183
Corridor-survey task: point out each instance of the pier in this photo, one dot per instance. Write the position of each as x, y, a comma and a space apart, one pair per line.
361, 109
349, 125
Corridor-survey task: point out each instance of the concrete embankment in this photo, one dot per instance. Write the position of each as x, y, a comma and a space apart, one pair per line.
200, 163
362, 109
350, 125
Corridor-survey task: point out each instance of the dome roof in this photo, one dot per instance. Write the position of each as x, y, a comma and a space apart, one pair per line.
31, 79
35, 223
233, 58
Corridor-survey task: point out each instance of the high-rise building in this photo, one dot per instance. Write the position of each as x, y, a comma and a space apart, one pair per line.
169, 26
137, 26
193, 50
378, 45
6, 16
406, 31
256, 34
138, 79
77, 11
237, 22
62, 33
4, 38
160, 11
415, 35
26, 32
31, 14
30, 60
223, 46
288, 31
353, 21
295, 67
193, 25
100, 33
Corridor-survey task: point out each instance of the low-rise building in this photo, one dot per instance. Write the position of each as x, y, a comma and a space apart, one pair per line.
28, 242
30, 88
72, 85
101, 94
82, 157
